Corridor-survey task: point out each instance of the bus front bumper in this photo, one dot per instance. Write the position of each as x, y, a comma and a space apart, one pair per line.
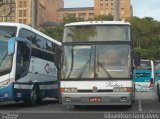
97, 98
6, 93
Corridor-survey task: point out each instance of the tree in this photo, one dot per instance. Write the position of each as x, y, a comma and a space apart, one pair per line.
68, 18
103, 17
55, 32
145, 34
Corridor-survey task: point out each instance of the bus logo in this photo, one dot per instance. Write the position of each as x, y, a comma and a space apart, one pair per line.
46, 68
94, 89
49, 69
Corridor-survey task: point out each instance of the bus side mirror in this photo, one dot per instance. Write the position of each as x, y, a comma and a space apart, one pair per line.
137, 59
11, 48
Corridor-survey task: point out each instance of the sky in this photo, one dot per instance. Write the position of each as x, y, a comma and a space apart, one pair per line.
141, 8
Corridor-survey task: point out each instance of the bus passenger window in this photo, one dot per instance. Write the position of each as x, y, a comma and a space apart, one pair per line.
23, 33
39, 42
49, 46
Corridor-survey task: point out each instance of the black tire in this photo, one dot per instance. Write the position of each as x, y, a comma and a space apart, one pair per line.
129, 106
158, 93
39, 101
34, 97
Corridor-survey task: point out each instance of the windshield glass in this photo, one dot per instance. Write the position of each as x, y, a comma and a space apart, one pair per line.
113, 61
96, 33
5, 60
78, 62
96, 61
145, 64
157, 64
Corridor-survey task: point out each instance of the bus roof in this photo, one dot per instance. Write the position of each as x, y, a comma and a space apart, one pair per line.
19, 25
98, 23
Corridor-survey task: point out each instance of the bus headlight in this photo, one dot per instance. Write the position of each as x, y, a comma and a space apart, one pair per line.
69, 90
5, 82
122, 89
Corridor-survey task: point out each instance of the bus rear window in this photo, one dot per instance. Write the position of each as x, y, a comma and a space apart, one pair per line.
145, 65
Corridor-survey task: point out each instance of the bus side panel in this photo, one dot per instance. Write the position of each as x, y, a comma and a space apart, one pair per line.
22, 90
44, 74
142, 80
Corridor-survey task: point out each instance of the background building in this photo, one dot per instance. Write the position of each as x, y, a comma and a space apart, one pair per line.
7, 10
43, 10
23, 11
82, 12
101, 7
106, 7
52, 11
52, 7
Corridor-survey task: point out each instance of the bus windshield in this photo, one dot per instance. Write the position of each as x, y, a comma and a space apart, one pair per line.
5, 61
96, 61
96, 33
145, 65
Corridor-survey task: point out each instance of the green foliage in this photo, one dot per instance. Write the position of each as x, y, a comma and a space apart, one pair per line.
146, 53
103, 17
68, 18
54, 32
146, 37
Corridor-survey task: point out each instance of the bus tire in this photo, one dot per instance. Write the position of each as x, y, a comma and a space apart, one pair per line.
33, 99
158, 93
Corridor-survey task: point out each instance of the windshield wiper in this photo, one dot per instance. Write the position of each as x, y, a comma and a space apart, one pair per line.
3, 58
84, 69
85, 65
104, 70
71, 63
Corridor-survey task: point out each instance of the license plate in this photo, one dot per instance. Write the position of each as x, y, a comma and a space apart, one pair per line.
95, 99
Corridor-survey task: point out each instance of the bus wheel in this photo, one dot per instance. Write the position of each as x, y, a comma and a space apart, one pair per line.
34, 95
158, 93
32, 101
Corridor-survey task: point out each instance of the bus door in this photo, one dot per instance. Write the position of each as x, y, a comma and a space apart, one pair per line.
22, 59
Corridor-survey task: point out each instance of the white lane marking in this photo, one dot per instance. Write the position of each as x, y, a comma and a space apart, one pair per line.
140, 106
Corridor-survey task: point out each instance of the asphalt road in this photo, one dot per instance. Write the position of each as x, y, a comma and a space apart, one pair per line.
50, 109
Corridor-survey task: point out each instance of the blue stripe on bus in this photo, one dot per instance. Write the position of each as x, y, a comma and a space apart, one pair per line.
6, 93
157, 74
40, 83
142, 76
11, 92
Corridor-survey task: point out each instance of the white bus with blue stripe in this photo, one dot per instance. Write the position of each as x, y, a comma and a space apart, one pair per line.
29, 64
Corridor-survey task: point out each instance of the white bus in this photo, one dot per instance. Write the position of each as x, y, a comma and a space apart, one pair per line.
157, 77
144, 76
97, 64
29, 64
